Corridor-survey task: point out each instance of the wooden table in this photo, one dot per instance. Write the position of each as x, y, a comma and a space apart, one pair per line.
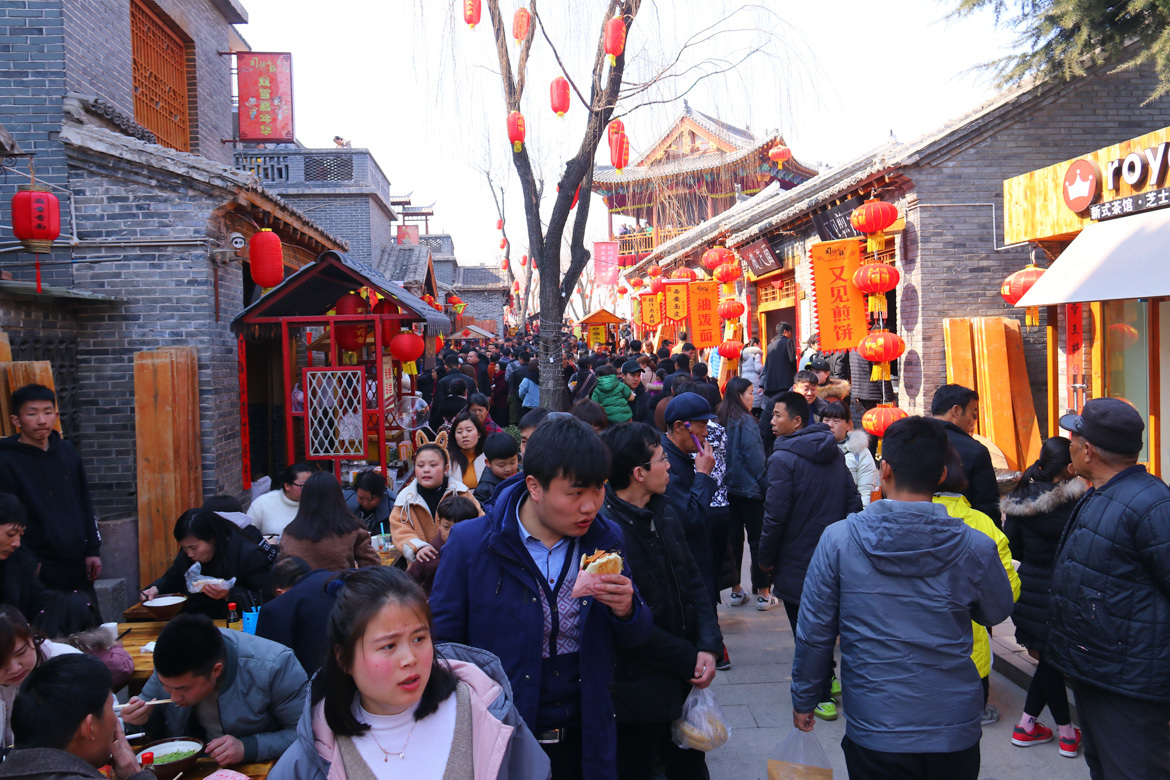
140, 635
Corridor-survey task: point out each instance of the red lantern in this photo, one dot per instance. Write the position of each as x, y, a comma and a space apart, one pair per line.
622, 290
503, 243
780, 154
615, 39
520, 22
881, 347
731, 349
36, 221
266, 258
654, 271
516, 288
499, 224
684, 273
351, 337
471, 12
1122, 336
407, 347
1017, 285
731, 309
454, 300
389, 327
516, 130
657, 286
619, 153
636, 283
717, 256
576, 197
878, 419
504, 264
523, 261
616, 129
872, 218
728, 272
875, 280
559, 95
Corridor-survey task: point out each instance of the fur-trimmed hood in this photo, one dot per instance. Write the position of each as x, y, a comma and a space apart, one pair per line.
834, 388
856, 442
1044, 498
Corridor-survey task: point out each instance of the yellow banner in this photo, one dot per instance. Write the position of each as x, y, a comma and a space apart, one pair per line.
651, 305
677, 300
596, 335
704, 330
840, 307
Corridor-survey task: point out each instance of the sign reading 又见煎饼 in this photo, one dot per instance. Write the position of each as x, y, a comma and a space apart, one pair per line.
840, 306
704, 329
265, 90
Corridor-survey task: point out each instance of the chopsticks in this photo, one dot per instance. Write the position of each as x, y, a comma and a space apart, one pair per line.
119, 707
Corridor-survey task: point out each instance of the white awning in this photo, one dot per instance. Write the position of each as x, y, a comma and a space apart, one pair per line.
1121, 259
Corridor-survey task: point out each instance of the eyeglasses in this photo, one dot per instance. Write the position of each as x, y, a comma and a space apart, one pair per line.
299, 484
650, 464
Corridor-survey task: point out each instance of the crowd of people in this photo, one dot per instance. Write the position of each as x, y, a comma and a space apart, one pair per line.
487, 651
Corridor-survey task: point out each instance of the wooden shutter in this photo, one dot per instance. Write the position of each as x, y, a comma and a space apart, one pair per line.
160, 77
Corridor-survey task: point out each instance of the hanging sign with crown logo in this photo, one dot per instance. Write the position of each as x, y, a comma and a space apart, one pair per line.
1084, 183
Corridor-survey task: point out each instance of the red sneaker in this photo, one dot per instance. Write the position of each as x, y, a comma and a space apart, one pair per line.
1037, 736
1069, 747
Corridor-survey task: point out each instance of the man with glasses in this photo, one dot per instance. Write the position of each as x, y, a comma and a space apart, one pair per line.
657, 676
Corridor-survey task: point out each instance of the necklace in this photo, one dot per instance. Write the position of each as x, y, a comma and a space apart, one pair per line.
387, 753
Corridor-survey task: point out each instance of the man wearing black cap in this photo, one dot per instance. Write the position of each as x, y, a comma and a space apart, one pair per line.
1109, 615
632, 376
691, 484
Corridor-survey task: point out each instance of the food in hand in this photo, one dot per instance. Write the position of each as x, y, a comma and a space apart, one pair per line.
602, 562
705, 736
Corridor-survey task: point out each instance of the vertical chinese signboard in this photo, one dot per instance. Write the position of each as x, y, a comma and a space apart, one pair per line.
840, 307
265, 90
651, 307
677, 300
596, 335
605, 262
704, 331
1074, 349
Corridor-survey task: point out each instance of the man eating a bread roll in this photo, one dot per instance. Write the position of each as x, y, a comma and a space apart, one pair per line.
505, 584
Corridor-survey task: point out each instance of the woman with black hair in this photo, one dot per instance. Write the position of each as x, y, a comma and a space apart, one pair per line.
222, 552
389, 703
465, 448
19, 585
275, 509
325, 534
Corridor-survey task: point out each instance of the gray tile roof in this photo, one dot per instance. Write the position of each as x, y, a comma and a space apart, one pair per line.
478, 277
404, 263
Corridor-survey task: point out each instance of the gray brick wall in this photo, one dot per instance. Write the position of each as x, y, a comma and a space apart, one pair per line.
485, 305
348, 216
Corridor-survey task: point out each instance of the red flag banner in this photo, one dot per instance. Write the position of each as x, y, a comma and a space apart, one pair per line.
704, 330
605, 262
264, 82
840, 307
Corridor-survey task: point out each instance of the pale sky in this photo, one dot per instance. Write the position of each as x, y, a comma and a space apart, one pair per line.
408, 80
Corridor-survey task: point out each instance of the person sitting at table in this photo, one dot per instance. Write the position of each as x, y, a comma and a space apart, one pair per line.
21, 650
275, 509
222, 552
65, 727
298, 617
371, 501
325, 534
386, 690
240, 694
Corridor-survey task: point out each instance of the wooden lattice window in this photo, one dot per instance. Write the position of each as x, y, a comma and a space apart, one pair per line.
160, 77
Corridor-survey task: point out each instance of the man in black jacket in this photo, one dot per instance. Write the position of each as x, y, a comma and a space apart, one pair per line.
958, 408
780, 365
691, 484
652, 680
1109, 613
809, 488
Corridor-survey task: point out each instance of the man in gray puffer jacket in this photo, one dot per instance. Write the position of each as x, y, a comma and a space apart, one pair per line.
900, 584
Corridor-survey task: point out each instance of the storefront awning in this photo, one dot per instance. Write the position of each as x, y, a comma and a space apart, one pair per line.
1116, 260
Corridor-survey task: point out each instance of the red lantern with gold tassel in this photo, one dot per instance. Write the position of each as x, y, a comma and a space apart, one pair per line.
471, 12
36, 221
407, 347
559, 95
779, 154
520, 23
684, 273
615, 130
654, 271
504, 264
875, 280
516, 131
524, 261
657, 285
619, 153
266, 258
622, 289
636, 283
872, 218
728, 272
516, 288
503, 243
881, 348
731, 349
731, 309
499, 224
880, 418
615, 39
351, 336
1017, 285
717, 256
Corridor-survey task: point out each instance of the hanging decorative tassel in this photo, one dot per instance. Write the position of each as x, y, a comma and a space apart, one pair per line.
875, 242
881, 371
1032, 316
877, 305
38, 259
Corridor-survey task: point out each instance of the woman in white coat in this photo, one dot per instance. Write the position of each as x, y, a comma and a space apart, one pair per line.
855, 445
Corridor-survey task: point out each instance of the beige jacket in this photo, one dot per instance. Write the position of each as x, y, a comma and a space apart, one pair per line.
411, 523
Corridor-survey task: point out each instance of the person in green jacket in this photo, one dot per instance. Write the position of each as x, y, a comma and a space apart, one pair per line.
613, 394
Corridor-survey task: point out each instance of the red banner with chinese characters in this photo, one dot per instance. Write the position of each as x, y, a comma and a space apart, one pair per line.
605, 262
839, 306
264, 82
651, 306
1074, 350
704, 330
677, 300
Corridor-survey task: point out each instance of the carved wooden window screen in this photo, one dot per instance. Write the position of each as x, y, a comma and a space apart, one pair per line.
160, 77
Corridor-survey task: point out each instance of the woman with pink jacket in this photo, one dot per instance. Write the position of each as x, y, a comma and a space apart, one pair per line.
388, 703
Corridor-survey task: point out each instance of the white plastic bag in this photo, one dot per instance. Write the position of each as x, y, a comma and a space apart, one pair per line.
196, 580
702, 725
799, 756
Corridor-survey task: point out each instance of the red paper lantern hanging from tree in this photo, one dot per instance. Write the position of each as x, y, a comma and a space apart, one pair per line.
407, 347
654, 271
559, 95
657, 285
731, 349
728, 272
36, 221
615, 39
504, 264
471, 12
516, 131
1017, 285
731, 309
351, 336
499, 224
684, 273
717, 256
881, 347
503, 243
266, 258
878, 419
779, 154
520, 23
636, 283
872, 218
619, 153
616, 129
875, 280
523, 261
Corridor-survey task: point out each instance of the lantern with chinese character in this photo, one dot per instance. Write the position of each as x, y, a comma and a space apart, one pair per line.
471, 12
731, 349
881, 347
1017, 285
728, 272
36, 221
636, 283
615, 39
615, 130
717, 256
351, 336
516, 131
559, 95
654, 271
407, 347
779, 154
520, 22
657, 285
684, 273
880, 418
731, 309
266, 258
619, 153
872, 218
875, 280
523, 261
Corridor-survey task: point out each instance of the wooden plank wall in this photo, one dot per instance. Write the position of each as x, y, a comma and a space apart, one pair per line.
960, 348
1027, 429
995, 392
21, 373
166, 408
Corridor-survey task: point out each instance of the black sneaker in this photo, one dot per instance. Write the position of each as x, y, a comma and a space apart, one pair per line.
724, 663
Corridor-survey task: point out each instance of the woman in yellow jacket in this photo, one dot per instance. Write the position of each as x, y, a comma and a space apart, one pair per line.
950, 495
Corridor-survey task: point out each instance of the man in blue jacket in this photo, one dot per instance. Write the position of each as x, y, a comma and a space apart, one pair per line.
504, 585
1109, 615
900, 583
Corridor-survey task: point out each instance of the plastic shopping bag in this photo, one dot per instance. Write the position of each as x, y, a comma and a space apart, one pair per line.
702, 725
799, 757
196, 579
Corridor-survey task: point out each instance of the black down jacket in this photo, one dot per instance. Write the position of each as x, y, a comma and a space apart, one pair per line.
809, 487
650, 681
1034, 525
1109, 618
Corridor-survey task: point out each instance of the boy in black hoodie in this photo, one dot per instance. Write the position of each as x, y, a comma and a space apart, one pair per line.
45, 473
